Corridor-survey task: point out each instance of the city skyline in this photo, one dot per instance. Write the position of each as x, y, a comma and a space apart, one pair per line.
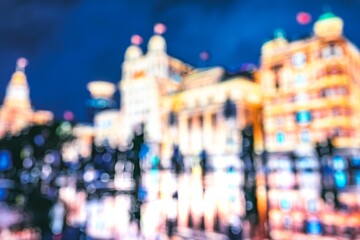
67, 56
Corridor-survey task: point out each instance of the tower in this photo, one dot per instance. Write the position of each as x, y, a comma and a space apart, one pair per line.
143, 84
16, 112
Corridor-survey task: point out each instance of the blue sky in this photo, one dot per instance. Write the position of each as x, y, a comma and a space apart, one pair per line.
71, 42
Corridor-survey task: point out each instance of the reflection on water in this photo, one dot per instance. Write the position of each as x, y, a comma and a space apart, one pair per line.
187, 205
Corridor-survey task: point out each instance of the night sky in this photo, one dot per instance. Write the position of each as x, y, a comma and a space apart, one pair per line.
71, 42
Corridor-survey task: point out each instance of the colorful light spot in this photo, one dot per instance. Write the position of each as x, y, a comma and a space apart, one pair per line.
68, 116
159, 28
204, 56
136, 39
303, 18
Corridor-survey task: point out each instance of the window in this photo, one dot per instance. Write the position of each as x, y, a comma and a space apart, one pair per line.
280, 137
298, 59
285, 204
340, 179
213, 120
300, 79
357, 177
331, 50
276, 71
303, 117
302, 97
339, 163
305, 136
189, 123
201, 121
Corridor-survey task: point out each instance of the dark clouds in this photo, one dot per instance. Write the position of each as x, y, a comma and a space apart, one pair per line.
70, 43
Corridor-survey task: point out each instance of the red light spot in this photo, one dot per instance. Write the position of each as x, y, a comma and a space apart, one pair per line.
303, 18
204, 56
136, 39
159, 28
68, 116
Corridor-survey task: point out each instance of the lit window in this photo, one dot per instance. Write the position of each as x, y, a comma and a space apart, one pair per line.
340, 179
302, 97
331, 51
357, 178
280, 137
305, 136
285, 204
300, 79
298, 59
303, 117
339, 163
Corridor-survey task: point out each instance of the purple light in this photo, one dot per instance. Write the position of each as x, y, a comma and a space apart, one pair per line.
68, 116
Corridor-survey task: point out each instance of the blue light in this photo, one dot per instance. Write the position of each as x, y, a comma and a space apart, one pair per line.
357, 178
280, 137
355, 161
314, 227
339, 163
5, 160
340, 179
285, 204
303, 117
3, 194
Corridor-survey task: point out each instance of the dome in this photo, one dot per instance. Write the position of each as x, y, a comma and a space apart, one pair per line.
278, 42
328, 25
157, 43
133, 52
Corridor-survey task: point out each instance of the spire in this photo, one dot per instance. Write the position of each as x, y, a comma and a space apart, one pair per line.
21, 64
19, 76
157, 42
134, 51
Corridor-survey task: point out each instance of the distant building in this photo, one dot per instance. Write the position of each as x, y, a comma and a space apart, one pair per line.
16, 112
311, 90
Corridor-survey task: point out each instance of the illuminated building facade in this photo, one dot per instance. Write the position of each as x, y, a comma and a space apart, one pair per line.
183, 107
146, 78
208, 113
311, 93
16, 112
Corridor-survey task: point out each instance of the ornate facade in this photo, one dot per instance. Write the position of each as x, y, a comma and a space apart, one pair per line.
311, 93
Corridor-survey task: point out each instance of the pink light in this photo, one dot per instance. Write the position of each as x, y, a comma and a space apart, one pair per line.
136, 40
204, 56
303, 18
68, 116
22, 62
159, 28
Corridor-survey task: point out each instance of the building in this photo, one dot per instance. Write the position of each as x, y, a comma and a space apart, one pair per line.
16, 113
311, 93
146, 78
182, 106
207, 114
